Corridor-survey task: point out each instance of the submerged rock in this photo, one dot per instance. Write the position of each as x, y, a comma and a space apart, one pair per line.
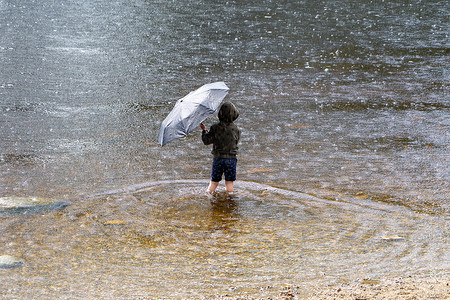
18, 204
9, 262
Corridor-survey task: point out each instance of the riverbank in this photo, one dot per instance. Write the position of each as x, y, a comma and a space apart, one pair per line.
408, 288
430, 287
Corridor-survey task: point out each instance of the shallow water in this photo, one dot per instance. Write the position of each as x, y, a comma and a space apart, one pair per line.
166, 239
343, 171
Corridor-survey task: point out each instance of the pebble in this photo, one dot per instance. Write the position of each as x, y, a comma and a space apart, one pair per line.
9, 262
392, 238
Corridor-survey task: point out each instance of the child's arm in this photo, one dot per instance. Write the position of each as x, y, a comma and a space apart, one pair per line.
207, 137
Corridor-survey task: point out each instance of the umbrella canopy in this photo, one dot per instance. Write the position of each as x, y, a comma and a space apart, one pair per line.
191, 110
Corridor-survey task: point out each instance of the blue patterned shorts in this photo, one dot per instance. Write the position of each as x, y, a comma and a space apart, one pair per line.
225, 166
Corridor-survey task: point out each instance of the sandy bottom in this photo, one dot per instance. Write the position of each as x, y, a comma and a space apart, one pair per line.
411, 288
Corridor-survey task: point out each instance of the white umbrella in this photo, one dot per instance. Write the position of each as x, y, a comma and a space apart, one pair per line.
191, 110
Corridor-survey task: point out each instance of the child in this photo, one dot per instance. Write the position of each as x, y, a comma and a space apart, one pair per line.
224, 136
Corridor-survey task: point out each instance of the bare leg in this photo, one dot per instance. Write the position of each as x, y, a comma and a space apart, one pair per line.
212, 186
229, 186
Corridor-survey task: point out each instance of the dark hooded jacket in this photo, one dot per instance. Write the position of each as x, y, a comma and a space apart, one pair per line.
224, 135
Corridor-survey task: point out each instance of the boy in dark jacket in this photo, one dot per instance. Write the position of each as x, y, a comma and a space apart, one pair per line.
224, 136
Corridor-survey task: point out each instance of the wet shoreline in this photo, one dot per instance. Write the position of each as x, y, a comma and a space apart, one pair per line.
411, 287
402, 288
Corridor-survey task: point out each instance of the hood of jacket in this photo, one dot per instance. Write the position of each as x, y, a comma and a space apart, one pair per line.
228, 113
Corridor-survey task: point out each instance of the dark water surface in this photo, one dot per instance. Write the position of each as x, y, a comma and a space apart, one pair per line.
344, 100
